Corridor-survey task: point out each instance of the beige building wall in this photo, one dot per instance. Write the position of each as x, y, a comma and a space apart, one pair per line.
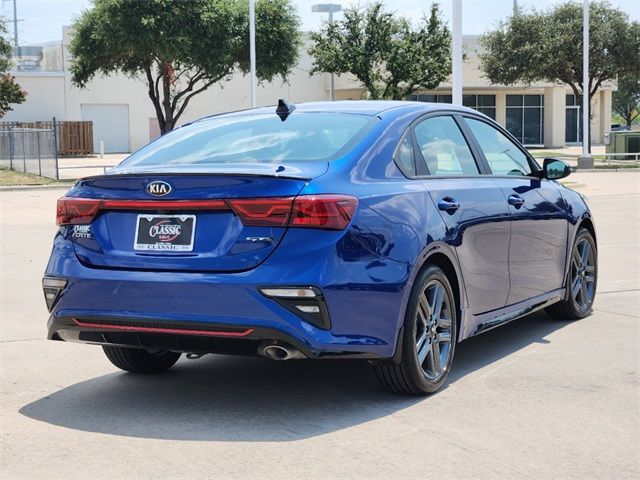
45, 98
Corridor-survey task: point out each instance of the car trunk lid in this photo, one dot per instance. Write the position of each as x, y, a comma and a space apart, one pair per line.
195, 223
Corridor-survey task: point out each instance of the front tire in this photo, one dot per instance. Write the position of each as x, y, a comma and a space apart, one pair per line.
138, 360
429, 338
581, 280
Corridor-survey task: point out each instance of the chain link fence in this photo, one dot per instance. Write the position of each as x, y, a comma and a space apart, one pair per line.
30, 150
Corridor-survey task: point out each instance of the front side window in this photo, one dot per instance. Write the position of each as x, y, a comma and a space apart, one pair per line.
263, 138
443, 148
503, 156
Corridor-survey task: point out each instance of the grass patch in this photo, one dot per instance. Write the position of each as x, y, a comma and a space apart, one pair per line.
546, 154
616, 166
11, 177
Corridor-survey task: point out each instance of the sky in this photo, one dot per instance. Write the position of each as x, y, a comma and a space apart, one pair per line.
42, 20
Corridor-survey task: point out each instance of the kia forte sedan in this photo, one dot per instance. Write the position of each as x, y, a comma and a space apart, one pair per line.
382, 231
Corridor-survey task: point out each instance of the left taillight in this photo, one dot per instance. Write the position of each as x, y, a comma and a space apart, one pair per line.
76, 211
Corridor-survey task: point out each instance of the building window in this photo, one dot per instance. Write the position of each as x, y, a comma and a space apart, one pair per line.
483, 103
433, 98
572, 120
525, 118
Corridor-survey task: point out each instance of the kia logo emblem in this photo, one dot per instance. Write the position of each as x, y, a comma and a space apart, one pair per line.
158, 188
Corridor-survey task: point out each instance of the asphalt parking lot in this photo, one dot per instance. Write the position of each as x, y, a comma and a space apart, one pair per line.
537, 398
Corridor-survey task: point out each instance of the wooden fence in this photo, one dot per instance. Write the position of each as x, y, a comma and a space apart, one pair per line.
73, 138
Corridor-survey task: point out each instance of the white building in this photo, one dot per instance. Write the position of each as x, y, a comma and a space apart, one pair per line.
124, 118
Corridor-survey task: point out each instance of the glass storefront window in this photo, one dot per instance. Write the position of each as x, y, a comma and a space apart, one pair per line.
433, 98
483, 103
525, 118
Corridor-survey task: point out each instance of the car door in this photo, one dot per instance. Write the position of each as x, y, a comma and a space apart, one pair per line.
539, 223
471, 206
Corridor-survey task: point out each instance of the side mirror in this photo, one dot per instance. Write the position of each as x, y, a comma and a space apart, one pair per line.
554, 169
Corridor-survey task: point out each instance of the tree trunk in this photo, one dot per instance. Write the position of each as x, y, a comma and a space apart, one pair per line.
629, 118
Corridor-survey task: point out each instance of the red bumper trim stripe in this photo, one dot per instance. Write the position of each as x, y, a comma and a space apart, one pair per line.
177, 331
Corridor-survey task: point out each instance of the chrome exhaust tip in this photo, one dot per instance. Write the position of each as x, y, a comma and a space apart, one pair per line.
276, 351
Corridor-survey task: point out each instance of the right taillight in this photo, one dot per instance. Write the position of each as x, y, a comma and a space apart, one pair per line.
331, 212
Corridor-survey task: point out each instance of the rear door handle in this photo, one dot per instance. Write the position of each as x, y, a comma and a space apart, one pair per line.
516, 200
449, 205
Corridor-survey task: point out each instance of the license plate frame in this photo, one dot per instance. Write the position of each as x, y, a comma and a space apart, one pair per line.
164, 233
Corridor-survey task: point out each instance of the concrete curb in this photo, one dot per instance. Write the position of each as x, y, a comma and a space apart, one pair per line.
12, 188
598, 170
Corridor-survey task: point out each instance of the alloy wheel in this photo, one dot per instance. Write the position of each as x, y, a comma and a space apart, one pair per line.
433, 332
583, 274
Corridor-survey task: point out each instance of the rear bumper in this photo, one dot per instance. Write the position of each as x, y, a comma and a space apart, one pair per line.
365, 316
161, 334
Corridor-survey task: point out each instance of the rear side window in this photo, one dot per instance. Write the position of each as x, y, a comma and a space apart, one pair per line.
443, 148
503, 156
303, 137
404, 156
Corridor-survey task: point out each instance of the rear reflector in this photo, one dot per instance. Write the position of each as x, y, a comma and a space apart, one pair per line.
176, 330
333, 212
52, 287
289, 292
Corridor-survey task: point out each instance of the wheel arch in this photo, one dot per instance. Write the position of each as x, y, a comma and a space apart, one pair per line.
587, 222
441, 260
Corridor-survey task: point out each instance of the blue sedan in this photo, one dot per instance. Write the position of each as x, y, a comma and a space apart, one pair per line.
384, 231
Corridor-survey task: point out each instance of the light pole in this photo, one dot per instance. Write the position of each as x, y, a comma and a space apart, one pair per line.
586, 160
252, 50
456, 52
329, 8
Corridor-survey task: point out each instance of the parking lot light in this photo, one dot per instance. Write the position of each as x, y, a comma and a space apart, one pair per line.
329, 8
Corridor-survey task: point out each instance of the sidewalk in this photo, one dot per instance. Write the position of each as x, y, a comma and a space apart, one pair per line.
71, 168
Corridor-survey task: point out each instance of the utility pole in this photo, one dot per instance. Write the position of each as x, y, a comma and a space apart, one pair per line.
15, 24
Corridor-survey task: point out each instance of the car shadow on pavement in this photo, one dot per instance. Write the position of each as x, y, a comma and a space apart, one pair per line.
253, 399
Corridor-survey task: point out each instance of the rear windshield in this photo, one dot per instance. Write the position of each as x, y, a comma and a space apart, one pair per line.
256, 139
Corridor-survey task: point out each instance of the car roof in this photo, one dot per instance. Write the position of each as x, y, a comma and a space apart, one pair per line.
359, 107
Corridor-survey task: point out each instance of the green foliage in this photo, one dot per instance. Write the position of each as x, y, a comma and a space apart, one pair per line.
10, 91
626, 100
182, 47
389, 57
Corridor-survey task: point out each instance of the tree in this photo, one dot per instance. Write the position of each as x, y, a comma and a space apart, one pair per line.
181, 48
384, 52
547, 46
10, 91
626, 100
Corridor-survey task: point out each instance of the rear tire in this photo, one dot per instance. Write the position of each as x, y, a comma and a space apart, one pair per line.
138, 360
582, 280
429, 338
